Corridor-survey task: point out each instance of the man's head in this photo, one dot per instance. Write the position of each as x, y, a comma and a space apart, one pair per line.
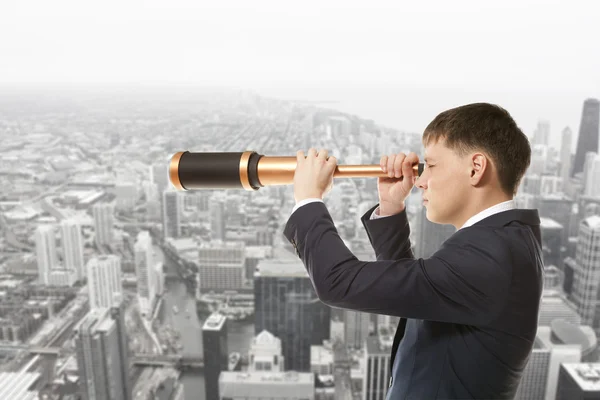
475, 156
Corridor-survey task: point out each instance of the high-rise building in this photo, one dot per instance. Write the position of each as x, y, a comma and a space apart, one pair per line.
265, 378
429, 235
554, 305
72, 244
216, 355
127, 194
377, 375
539, 159
62, 277
145, 272
587, 270
221, 265
286, 305
265, 353
553, 237
356, 327
217, 218
588, 133
578, 381
550, 184
45, 247
159, 174
592, 175
535, 376
565, 155
102, 355
541, 135
104, 215
565, 343
104, 280
557, 207
172, 208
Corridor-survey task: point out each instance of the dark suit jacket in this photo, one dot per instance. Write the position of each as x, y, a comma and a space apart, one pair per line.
468, 313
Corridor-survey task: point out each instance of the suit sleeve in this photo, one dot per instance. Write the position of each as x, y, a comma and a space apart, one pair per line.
389, 236
462, 282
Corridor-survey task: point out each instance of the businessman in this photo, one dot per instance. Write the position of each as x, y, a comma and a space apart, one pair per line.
469, 312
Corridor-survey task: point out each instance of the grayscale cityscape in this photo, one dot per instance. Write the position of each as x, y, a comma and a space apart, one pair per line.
115, 285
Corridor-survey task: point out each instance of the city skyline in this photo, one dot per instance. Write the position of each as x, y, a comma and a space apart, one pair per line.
90, 163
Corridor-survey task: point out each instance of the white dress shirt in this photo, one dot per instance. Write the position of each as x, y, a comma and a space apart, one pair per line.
504, 206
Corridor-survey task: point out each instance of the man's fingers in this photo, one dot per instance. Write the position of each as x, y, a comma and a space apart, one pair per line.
398, 164
407, 170
413, 158
322, 154
390, 165
312, 152
383, 163
299, 156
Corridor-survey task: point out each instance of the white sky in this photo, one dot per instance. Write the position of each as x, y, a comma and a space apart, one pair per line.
535, 49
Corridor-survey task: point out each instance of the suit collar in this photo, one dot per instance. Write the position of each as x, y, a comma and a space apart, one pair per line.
525, 216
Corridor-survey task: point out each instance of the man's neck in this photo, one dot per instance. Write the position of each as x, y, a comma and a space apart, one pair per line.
479, 204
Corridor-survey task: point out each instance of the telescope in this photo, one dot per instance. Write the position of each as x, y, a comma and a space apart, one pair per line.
250, 171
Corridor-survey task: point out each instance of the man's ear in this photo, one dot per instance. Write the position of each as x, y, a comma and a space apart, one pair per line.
478, 165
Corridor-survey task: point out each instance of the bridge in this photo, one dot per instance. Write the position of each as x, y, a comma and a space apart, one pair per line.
172, 360
148, 360
39, 350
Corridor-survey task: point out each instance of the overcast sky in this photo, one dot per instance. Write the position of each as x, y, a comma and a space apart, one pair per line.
513, 51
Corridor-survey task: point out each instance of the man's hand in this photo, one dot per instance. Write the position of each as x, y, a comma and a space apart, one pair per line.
314, 174
395, 188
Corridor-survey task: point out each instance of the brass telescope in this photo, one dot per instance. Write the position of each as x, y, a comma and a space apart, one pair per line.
250, 171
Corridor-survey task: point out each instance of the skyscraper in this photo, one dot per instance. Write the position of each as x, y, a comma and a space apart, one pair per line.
72, 243
286, 305
578, 381
535, 376
102, 355
565, 155
585, 284
377, 375
541, 135
217, 218
172, 207
589, 129
45, 247
356, 326
145, 272
159, 174
592, 175
103, 222
216, 355
104, 280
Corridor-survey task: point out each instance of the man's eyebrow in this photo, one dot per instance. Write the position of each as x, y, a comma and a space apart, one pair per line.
427, 159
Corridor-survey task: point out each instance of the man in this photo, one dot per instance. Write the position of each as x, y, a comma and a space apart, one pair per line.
468, 313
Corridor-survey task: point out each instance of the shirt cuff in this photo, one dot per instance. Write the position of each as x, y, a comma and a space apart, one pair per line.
375, 214
303, 202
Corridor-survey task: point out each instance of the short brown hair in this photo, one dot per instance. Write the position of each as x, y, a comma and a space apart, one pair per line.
488, 128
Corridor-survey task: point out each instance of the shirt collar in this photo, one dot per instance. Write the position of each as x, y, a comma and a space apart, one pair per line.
504, 206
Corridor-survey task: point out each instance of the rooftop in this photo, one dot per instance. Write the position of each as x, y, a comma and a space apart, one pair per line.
214, 322
593, 222
281, 268
549, 223
287, 377
587, 375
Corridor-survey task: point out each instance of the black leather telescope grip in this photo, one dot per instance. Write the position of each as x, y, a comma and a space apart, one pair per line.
216, 170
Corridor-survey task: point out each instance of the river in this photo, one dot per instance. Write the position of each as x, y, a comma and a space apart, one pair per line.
239, 335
